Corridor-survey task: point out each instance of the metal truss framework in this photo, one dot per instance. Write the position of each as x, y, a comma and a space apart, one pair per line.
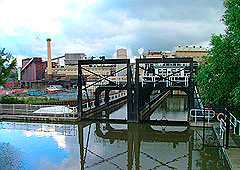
133, 89
127, 87
189, 90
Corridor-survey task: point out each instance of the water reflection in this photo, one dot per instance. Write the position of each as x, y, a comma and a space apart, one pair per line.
151, 147
106, 146
142, 141
173, 108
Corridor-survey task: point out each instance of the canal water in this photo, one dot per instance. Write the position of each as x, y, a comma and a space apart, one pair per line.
105, 146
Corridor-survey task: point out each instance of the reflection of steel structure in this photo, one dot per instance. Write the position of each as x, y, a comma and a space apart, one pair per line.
198, 140
147, 133
167, 74
112, 85
134, 135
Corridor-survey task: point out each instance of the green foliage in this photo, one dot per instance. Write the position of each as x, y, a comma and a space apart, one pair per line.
9, 100
219, 78
7, 63
27, 100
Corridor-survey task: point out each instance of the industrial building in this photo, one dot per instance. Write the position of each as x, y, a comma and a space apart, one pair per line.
36, 72
158, 54
196, 52
33, 69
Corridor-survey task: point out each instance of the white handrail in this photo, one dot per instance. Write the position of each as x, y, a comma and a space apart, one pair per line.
222, 128
112, 98
169, 82
234, 122
209, 114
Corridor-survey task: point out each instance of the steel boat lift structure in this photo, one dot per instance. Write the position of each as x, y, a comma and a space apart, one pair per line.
138, 86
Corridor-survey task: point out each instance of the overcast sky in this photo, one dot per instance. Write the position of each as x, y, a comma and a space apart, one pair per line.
99, 27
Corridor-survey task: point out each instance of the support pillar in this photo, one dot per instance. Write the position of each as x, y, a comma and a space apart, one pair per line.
190, 90
97, 97
130, 112
136, 92
79, 99
107, 98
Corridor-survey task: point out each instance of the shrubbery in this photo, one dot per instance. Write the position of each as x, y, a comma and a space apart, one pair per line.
219, 77
27, 100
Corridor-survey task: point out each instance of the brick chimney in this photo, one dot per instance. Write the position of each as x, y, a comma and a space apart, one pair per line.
49, 63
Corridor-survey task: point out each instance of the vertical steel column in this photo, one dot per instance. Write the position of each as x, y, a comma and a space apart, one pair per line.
204, 120
79, 99
136, 92
227, 127
106, 97
130, 113
190, 90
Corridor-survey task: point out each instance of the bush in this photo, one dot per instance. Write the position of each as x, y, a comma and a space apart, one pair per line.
27, 100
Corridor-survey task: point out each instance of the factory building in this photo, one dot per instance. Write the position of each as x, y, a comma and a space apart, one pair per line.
33, 69
196, 52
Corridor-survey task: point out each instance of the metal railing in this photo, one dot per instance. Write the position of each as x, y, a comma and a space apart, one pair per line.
196, 91
222, 128
20, 108
172, 80
235, 124
91, 104
28, 110
228, 123
203, 114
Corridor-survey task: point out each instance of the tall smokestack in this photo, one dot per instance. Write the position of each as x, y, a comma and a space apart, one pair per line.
49, 64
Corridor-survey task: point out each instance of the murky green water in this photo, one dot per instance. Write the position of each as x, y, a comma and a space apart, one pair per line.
104, 146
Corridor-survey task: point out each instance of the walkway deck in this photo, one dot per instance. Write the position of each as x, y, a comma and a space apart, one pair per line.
234, 157
233, 152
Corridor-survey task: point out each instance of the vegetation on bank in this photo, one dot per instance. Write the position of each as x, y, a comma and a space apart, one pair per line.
7, 64
219, 77
27, 100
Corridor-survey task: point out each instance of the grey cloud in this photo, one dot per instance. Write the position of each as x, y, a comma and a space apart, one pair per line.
166, 9
151, 24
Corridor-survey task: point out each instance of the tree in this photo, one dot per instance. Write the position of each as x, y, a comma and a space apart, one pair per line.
7, 63
219, 77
